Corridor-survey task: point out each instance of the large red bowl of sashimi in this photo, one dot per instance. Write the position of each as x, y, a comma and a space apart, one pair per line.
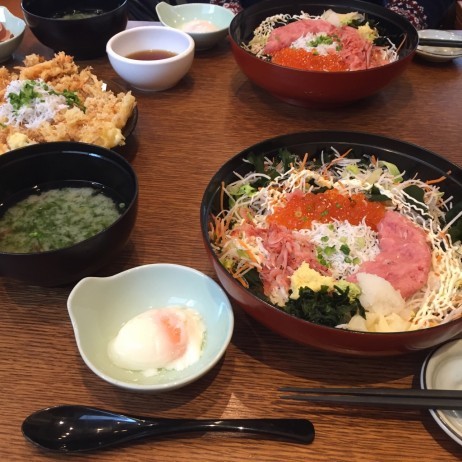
321, 54
344, 241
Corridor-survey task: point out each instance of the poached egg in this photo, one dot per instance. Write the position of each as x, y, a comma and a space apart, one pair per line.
169, 338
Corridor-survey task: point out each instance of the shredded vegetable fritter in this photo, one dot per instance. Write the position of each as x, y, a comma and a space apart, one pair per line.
54, 100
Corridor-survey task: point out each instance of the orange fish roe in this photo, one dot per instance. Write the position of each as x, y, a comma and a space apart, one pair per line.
302, 209
308, 60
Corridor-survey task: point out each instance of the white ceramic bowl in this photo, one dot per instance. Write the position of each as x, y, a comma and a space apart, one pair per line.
98, 307
16, 26
151, 75
438, 54
196, 19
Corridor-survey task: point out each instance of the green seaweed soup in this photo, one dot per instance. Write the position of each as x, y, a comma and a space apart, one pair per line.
78, 14
54, 218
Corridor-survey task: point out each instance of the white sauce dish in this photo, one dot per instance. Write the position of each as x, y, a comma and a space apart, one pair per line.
442, 369
206, 24
438, 54
191, 306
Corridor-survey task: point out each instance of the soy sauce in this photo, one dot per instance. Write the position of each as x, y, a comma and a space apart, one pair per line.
151, 55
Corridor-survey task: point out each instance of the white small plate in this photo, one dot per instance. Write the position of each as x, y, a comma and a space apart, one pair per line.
439, 54
442, 369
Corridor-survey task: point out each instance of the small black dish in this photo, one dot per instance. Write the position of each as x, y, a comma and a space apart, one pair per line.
61, 163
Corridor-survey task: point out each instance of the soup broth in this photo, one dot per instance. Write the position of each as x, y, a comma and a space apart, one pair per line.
78, 14
56, 218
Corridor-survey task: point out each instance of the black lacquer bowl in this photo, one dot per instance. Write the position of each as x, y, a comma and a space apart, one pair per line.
62, 163
79, 33
412, 159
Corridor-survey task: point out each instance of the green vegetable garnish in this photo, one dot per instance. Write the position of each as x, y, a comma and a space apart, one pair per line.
326, 307
25, 97
321, 40
72, 99
28, 95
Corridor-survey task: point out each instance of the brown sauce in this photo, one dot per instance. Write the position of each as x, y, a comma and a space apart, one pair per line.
151, 55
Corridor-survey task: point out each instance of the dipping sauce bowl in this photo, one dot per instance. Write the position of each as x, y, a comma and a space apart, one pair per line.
176, 50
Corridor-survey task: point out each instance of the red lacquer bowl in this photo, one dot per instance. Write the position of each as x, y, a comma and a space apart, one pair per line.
318, 88
410, 158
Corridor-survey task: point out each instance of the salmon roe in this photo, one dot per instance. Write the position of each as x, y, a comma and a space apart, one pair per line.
308, 60
302, 209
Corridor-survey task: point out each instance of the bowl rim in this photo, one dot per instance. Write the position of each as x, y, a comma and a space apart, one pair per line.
75, 20
138, 30
340, 137
182, 381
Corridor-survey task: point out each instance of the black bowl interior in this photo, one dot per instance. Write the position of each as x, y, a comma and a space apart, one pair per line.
389, 24
58, 164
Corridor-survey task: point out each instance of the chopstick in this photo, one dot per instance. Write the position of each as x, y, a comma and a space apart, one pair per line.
429, 42
405, 398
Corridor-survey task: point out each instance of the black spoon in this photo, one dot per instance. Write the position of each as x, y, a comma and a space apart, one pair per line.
72, 428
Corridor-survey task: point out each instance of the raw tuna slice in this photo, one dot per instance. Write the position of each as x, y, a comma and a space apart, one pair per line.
405, 257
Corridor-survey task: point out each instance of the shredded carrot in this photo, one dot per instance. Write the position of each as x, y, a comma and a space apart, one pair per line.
402, 43
303, 163
248, 250
438, 180
243, 281
222, 193
334, 161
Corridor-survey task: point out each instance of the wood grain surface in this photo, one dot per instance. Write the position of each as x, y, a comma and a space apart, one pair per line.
183, 135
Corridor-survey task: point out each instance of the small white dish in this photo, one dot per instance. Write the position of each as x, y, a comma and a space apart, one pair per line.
151, 74
16, 26
442, 369
438, 54
99, 307
206, 24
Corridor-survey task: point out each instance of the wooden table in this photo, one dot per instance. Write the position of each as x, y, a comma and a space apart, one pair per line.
183, 135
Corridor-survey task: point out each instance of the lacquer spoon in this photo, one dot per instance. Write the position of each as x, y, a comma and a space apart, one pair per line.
73, 428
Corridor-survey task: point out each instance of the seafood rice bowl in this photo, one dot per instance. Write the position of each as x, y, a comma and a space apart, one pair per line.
321, 54
340, 240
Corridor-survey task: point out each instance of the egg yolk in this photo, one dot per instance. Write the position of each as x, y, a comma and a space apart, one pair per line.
161, 338
302, 209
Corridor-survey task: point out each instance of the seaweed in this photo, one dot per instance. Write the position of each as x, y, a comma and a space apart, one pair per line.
326, 307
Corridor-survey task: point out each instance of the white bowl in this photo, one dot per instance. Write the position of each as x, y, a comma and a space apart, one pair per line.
442, 369
438, 54
193, 19
16, 26
98, 307
151, 75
